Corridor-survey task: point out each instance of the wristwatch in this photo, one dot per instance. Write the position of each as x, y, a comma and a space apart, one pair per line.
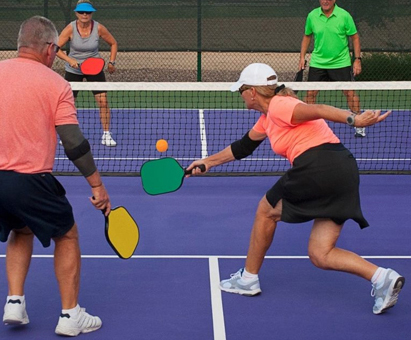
112, 63
351, 119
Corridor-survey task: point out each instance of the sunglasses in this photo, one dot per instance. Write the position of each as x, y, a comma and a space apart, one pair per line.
243, 88
56, 47
88, 13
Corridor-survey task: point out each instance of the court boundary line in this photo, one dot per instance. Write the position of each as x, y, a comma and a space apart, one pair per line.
216, 299
203, 135
269, 257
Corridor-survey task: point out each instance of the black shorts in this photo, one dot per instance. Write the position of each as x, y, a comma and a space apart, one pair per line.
71, 77
34, 200
323, 183
337, 74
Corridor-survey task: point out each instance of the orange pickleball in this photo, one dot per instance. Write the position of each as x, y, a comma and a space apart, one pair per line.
161, 145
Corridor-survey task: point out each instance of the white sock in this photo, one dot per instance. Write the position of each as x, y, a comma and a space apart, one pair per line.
248, 277
16, 297
72, 312
378, 278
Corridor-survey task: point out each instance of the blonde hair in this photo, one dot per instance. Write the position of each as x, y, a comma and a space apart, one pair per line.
269, 91
84, 1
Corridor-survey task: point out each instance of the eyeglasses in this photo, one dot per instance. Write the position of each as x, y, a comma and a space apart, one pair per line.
87, 13
56, 47
243, 88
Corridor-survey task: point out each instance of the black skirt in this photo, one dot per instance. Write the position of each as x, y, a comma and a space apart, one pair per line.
323, 183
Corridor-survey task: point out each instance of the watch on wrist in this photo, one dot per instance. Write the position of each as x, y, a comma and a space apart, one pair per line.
351, 119
358, 58
112, 63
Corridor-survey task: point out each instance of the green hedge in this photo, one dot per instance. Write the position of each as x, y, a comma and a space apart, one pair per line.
385, 67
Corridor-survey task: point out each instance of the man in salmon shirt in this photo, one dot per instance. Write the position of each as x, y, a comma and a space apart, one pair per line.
37, 104
322, 184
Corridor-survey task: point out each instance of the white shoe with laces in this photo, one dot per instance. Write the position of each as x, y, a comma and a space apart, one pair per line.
82, 323
15, 312
107, 139
386, 294
237, 286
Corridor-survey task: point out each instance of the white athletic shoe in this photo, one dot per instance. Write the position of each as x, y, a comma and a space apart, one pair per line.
15, 312
83, 323
237, 286
359, 132
386, 295
107, 140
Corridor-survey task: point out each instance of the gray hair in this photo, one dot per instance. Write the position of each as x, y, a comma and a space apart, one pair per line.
36, 32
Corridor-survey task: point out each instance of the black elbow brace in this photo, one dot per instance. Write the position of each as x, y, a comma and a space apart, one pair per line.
244, 147
78, 151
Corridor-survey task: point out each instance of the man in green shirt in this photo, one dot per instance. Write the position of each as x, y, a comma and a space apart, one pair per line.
331, 27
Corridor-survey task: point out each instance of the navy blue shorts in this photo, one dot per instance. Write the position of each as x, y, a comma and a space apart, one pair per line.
34, 200
337, 74
71, 77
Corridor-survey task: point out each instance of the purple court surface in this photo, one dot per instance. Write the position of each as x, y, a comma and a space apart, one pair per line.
192, 238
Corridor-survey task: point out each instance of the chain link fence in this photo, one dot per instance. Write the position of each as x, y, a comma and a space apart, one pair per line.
213, 40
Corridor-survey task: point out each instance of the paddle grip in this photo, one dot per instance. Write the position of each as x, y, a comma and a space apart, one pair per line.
201, 167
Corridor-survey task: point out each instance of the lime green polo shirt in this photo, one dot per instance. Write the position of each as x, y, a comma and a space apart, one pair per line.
330, 37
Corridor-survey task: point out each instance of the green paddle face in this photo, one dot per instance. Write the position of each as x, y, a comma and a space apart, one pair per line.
122, 232
161, 176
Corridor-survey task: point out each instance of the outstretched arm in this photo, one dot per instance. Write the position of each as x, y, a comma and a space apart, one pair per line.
237, 150
306, 112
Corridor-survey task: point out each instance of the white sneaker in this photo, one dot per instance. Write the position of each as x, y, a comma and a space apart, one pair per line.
237, 286
83, 323
107, 140
15, 312
359, 132
386, 295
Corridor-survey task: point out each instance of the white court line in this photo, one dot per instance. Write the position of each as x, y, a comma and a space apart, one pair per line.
279, 257
203, 135
216, 300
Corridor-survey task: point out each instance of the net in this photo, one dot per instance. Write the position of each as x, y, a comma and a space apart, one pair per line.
200, 119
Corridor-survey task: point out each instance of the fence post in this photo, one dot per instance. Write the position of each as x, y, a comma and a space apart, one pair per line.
199, 47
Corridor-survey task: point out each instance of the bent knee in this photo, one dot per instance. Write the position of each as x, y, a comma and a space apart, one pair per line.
267, 210
319, 259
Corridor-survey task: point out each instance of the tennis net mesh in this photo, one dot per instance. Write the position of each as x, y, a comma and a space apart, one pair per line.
199, 119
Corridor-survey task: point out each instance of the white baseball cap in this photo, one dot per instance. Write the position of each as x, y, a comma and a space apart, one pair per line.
256, 74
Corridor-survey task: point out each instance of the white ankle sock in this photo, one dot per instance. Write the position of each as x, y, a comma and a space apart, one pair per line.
378, 278
16, 297
248, 277
72, 312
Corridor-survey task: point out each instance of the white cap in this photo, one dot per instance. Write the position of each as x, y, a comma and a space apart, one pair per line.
255, 75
